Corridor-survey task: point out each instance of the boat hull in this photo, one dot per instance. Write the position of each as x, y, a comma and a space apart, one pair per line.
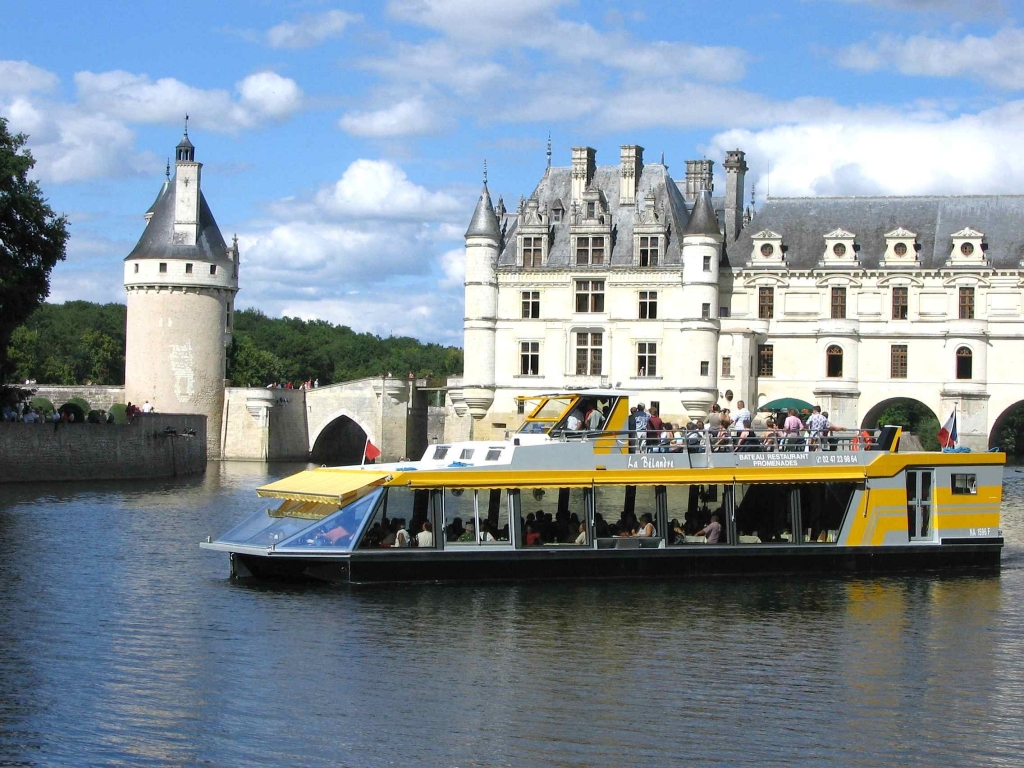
670, 563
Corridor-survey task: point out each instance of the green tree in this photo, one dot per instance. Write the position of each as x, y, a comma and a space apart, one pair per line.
250, 366
32, 239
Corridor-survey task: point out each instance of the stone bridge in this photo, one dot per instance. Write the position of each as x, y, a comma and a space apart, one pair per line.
331, 424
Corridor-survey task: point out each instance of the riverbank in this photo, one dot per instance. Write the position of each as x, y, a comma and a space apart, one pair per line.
153, 445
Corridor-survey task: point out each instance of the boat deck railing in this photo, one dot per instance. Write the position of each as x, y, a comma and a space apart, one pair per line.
726, 441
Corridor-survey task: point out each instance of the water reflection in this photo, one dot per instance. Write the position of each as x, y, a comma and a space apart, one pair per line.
121, 641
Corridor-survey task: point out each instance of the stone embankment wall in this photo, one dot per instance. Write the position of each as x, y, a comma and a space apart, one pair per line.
41, 452
99, 398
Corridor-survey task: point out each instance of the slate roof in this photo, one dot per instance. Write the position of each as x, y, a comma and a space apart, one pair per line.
155, 242
702, 218
557, 185
803, 222
484, 222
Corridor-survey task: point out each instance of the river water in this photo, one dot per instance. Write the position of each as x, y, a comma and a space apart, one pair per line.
121, 642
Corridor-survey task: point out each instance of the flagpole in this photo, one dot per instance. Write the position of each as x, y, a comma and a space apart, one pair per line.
363, 462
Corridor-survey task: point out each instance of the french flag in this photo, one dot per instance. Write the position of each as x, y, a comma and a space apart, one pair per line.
947, 435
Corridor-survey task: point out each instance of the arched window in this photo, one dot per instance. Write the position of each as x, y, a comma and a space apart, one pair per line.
834, 358
964, 363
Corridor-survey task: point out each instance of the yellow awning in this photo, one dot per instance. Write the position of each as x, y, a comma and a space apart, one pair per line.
338, 486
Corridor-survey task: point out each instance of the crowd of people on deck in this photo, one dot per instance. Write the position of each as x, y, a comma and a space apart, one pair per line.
723, 430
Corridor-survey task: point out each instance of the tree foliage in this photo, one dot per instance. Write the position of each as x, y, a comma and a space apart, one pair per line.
71, 343
913, 417
80, 342
32, 239
1009, 432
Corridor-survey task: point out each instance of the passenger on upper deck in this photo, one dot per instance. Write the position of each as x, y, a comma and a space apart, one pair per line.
712, 530
792, 427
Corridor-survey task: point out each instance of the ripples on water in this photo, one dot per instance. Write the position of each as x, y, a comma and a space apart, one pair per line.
122, 642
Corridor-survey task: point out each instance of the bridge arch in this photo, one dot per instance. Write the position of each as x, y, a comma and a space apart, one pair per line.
1008, 430
339, 439
912, 414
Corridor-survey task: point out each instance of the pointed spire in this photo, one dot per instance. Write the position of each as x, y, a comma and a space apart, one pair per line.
702, 219
485, 222
186, 123
549, 149
167, 170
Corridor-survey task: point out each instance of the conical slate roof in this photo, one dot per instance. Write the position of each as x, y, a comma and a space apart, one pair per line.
484, 223
160, 195
702, 219
156, 241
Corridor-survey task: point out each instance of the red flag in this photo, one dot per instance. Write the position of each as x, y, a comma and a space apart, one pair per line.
372, 451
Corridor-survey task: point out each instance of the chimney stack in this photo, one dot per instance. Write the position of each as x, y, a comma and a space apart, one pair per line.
583, 167
698, 178
632, 165
735, 170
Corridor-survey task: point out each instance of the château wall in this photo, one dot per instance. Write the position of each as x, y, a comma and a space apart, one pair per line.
98, 397
48, 452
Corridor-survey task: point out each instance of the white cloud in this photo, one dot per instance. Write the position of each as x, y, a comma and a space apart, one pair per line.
453, 265
997, 60
890, 152
137, 98
534, 24
406, 118
968, 9
270, 94
374, 250
310, 29
438, 62
22, 77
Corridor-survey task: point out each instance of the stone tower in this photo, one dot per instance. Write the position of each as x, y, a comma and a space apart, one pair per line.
702, 250
735, 170
181, 279
483, 241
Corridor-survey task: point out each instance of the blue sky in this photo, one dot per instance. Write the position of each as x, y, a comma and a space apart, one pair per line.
343, 142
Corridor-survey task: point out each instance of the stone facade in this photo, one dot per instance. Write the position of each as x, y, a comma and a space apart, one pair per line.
689, 298
144, 448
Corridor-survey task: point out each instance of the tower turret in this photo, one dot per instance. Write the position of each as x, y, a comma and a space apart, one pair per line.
483, 241
181, 280
702, 250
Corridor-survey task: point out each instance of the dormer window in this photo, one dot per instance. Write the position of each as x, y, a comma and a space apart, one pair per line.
533, 251
591, 212
650, 248
767, 249
649, 235
557, 215
533, 234
900, 249
840, 249
968, 248
590, 250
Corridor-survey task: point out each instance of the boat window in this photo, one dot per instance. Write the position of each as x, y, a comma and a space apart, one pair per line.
964, 484
474, 517
440, 452
493, 454
690, 508
340, 530
619, 509
403, 509
765, 512
272, 524
551, 409
552, 516
823, 507
467, 453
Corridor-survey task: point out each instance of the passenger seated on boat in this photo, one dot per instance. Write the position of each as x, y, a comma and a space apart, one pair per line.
594, 419
389, 538
581, 538
401, 535
425, 538
455, 530
469, 534
601, 527
485, 532
712, 530
646, 527
532, 537
678, 534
